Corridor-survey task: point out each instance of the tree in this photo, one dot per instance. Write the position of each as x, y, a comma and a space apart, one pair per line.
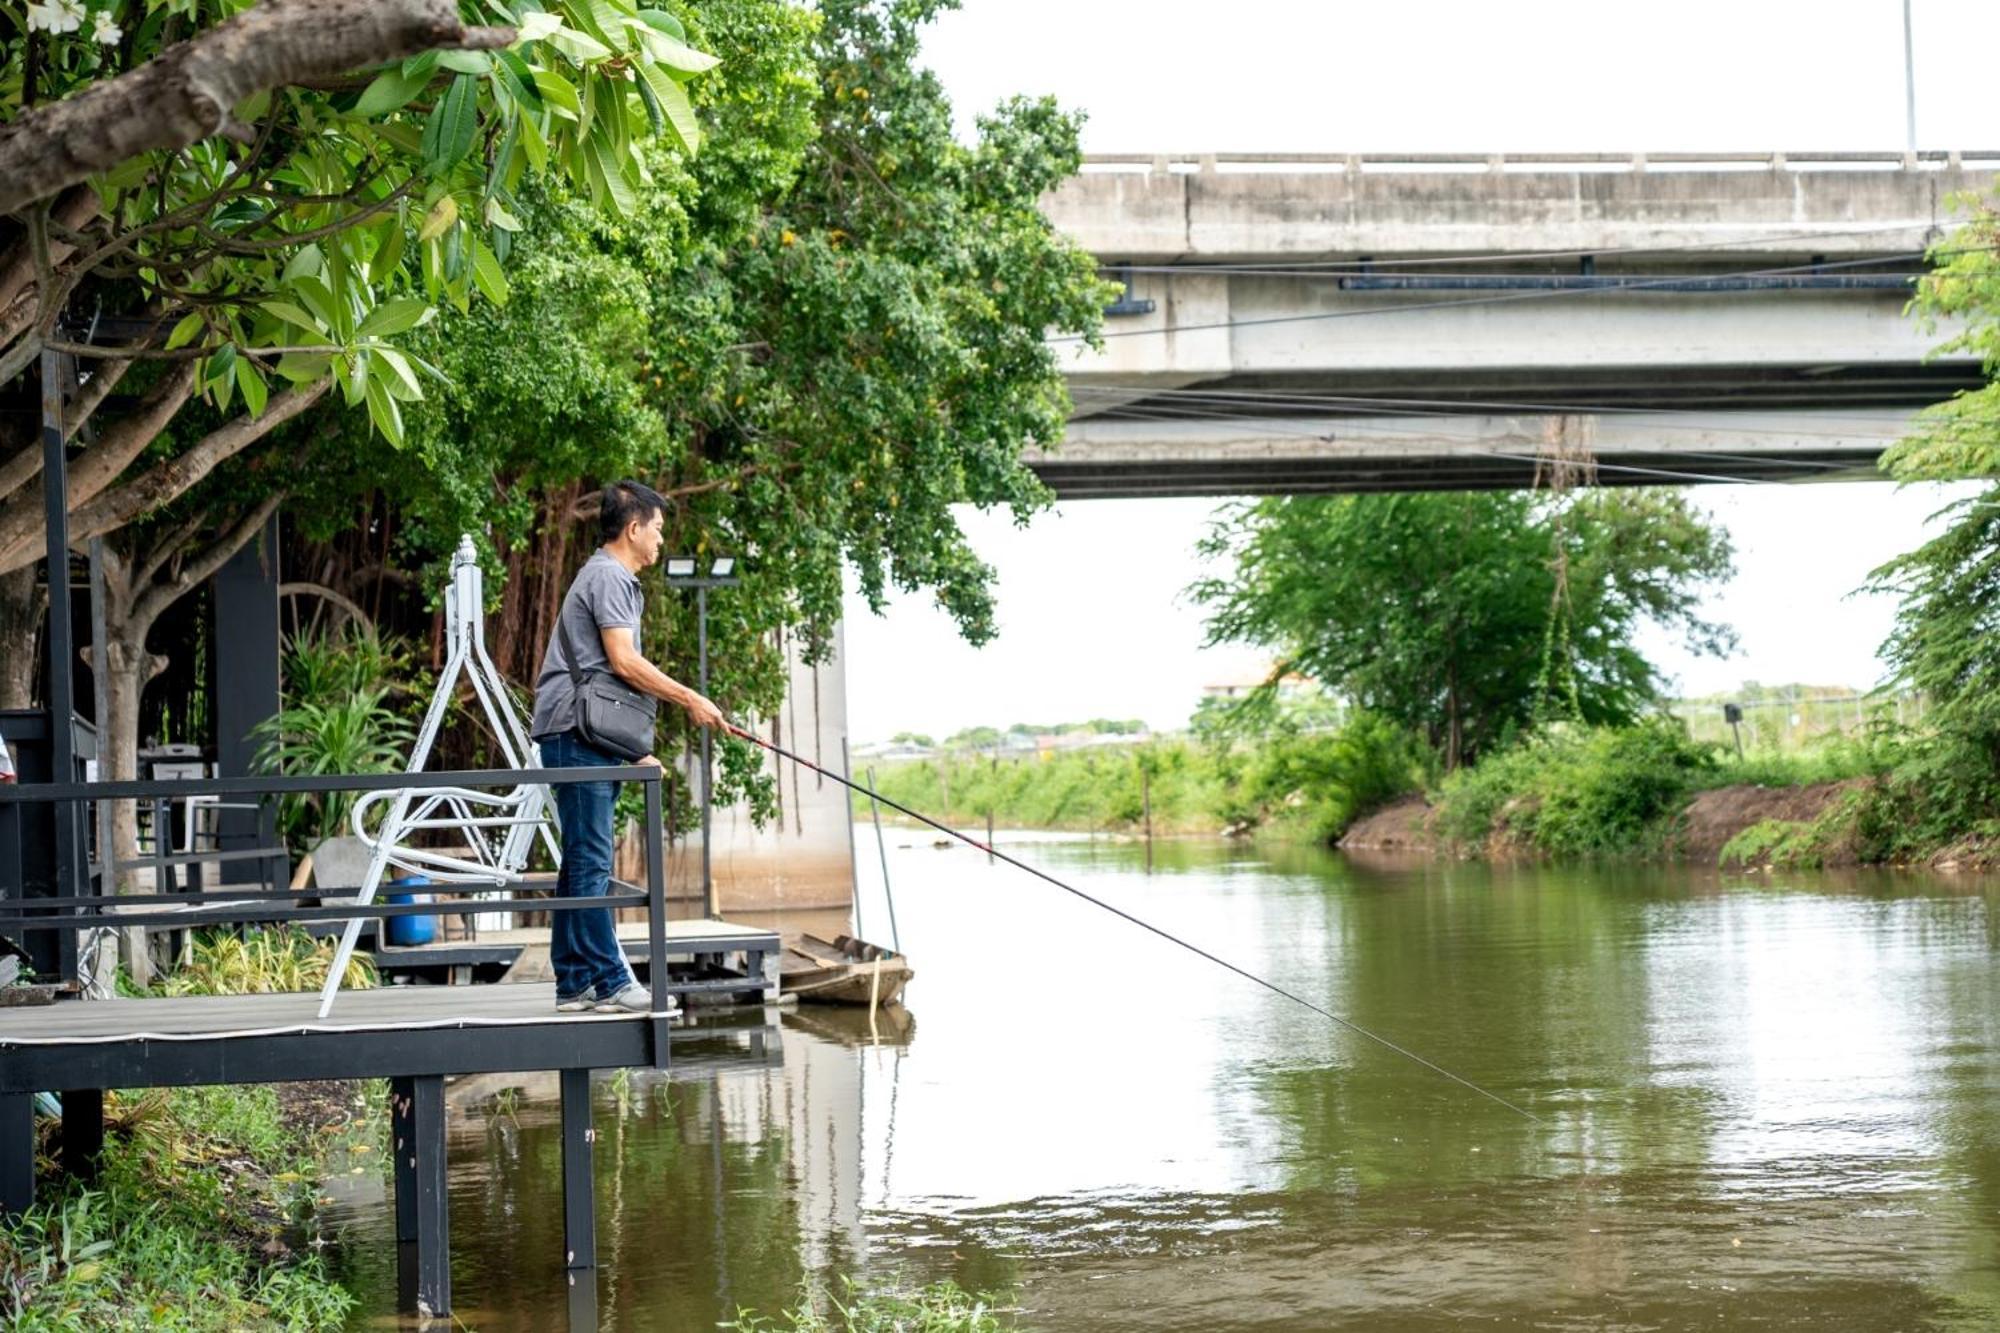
1946, 640
1432, 609
266, 224
263, 223
815, 339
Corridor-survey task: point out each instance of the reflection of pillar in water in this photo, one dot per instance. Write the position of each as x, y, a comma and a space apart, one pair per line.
814, 1100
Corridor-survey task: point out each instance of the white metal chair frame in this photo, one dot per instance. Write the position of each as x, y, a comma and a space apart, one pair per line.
499, 842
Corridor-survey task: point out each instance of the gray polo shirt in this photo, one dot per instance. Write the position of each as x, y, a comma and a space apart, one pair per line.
605, 595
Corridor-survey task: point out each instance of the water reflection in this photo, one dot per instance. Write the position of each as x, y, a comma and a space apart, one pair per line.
1764, 1100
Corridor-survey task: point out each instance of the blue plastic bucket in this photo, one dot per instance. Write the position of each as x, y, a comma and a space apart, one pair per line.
404, 931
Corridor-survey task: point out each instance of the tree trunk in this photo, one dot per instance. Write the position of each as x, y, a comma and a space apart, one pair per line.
128, 669
21, 605
190, 91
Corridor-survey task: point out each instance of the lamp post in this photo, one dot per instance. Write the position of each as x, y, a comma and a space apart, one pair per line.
681, 573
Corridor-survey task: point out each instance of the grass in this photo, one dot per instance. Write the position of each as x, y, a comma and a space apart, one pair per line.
940, 1308
183, 1232
1306, 784
259, 962
185, 1229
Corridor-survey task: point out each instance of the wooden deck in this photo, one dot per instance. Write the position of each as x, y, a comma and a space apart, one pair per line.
387, 1032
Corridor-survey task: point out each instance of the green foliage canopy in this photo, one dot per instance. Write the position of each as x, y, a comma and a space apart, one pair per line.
1431, 609
815, 339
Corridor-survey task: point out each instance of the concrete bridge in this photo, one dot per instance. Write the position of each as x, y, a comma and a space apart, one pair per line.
1298, 323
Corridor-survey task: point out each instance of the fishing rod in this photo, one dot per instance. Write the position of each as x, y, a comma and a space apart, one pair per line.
1143, 924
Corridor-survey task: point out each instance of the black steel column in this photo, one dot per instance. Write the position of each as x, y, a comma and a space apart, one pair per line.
707, 752
423, 1264
403, 1148
82, 1132
656, 921
17, 1153
579, 1189
246, 650
62, 648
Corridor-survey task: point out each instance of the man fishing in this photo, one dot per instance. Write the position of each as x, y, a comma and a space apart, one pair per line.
592, 655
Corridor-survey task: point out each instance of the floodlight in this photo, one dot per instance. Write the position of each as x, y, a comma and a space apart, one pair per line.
680, 567
724, 566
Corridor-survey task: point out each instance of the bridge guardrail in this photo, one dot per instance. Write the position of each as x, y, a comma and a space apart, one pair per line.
1925, 159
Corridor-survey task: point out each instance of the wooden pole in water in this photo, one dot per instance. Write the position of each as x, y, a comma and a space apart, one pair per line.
881, 848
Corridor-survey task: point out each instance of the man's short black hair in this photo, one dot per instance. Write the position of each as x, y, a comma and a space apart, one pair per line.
626, 502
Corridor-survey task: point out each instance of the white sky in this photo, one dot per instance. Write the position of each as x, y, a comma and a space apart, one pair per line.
1092, 622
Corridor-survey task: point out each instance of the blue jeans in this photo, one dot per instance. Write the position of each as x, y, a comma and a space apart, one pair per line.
584, 944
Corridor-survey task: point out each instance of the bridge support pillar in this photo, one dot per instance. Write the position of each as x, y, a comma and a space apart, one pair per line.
579, 1176
423, 1215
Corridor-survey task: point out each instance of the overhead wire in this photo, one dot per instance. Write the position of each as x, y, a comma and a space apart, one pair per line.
1594, 252
1474, 449
1398, 405
1498, 298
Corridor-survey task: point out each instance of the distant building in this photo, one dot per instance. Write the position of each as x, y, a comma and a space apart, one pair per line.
1290, 686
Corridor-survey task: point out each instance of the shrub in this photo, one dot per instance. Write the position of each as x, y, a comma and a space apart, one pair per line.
1577, 791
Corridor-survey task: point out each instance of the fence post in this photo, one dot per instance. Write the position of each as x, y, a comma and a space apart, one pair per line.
656, 918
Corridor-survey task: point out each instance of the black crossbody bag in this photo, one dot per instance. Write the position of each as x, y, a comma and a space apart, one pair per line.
610, 715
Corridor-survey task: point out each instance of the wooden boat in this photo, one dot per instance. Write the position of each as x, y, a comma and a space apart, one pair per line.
846, 971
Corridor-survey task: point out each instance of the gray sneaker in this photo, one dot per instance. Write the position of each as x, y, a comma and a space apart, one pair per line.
582, 1002
632, 998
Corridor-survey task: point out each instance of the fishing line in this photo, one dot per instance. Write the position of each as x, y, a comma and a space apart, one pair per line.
1164, 934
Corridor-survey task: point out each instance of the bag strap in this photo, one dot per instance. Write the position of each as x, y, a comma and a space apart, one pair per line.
576, 673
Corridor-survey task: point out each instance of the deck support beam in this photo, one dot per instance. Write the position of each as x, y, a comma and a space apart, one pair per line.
82, 1133
579, 1176
17, 1153
402, 1148
423, 1261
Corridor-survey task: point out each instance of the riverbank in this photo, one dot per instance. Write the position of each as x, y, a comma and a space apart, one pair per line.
1644, 791
201, 1218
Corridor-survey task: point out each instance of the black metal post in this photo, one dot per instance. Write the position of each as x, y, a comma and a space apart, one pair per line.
424, 1264
402, 1148
579, 1193
62, 645
707, 752
583, 1302
656, 919
82, 1132
245, 635
17, 1153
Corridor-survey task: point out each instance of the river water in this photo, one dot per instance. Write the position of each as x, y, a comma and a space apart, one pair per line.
1765, 1101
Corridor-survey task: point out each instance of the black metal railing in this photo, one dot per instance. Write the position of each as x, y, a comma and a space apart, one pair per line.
72, 911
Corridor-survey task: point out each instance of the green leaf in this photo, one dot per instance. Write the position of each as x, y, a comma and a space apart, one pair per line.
607, 178
561, 94
291, 314
391, 90
255, 392
389, 243
581, 48
394, 317
498, 216
453, 122
221, 374
382, 410
304, 367
487, 274
308, 260
185, 331
442, 216
664, 22
675, 54
512, 70
654, 115
675, 105
402, 380
466, 62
